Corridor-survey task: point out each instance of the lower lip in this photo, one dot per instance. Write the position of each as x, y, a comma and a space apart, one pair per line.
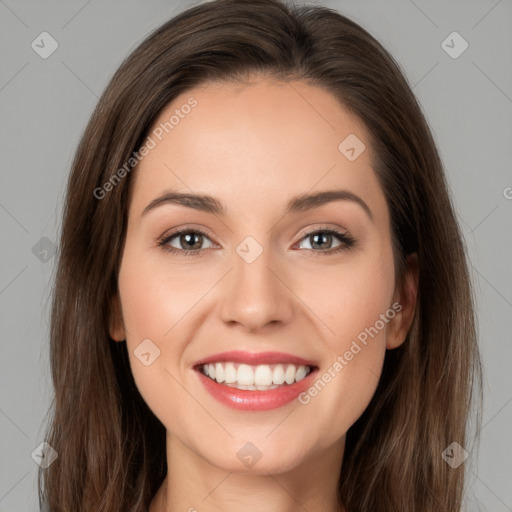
249, 400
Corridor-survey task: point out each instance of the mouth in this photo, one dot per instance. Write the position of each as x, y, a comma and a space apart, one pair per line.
261, 377
255, 381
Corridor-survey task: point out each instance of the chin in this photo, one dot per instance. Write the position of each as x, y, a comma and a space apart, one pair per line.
256, 457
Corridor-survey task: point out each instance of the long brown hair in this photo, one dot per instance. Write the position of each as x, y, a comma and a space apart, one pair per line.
111, 447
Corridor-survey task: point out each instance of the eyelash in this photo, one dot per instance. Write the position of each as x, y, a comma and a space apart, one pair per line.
347, 242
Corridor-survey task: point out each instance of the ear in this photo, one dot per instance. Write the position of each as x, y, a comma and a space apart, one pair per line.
405, 300
116, 323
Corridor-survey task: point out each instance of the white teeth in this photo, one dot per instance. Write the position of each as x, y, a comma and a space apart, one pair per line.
301, 373
265, 388
229, 373
260, 377
289, 374
253, 388
263, 375
278, 374
245, 375
219, 373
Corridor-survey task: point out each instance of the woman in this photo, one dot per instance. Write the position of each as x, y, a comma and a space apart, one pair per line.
262, 300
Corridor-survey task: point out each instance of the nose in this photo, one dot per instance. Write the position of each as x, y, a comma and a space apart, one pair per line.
256, 294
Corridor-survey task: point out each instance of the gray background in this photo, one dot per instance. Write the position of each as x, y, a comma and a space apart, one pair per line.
45, 104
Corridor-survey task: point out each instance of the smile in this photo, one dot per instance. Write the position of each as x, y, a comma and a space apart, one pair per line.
255, 381
255, 377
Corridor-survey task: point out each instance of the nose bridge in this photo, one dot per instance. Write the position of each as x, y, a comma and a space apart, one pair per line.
254, 296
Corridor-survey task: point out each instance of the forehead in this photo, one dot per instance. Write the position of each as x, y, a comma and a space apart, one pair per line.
263, 140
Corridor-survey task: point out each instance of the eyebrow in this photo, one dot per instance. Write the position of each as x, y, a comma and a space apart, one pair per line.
300, 203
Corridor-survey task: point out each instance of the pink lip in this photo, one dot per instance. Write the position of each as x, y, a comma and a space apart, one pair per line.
255, 358
246, 400
253, 400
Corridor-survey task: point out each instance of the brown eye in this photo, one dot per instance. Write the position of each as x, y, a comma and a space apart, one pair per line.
184, 241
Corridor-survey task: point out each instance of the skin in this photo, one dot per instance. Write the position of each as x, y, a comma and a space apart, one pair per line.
254, 147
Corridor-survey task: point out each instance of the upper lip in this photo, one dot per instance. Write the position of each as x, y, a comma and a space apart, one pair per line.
255, 358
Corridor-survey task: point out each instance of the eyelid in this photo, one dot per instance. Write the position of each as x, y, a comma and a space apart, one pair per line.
185, 229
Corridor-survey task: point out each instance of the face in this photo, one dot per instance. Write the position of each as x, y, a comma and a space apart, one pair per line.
291, 299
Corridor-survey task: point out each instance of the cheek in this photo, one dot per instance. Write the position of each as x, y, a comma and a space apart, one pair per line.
155, 297
151, 312
356, 306
351, 297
